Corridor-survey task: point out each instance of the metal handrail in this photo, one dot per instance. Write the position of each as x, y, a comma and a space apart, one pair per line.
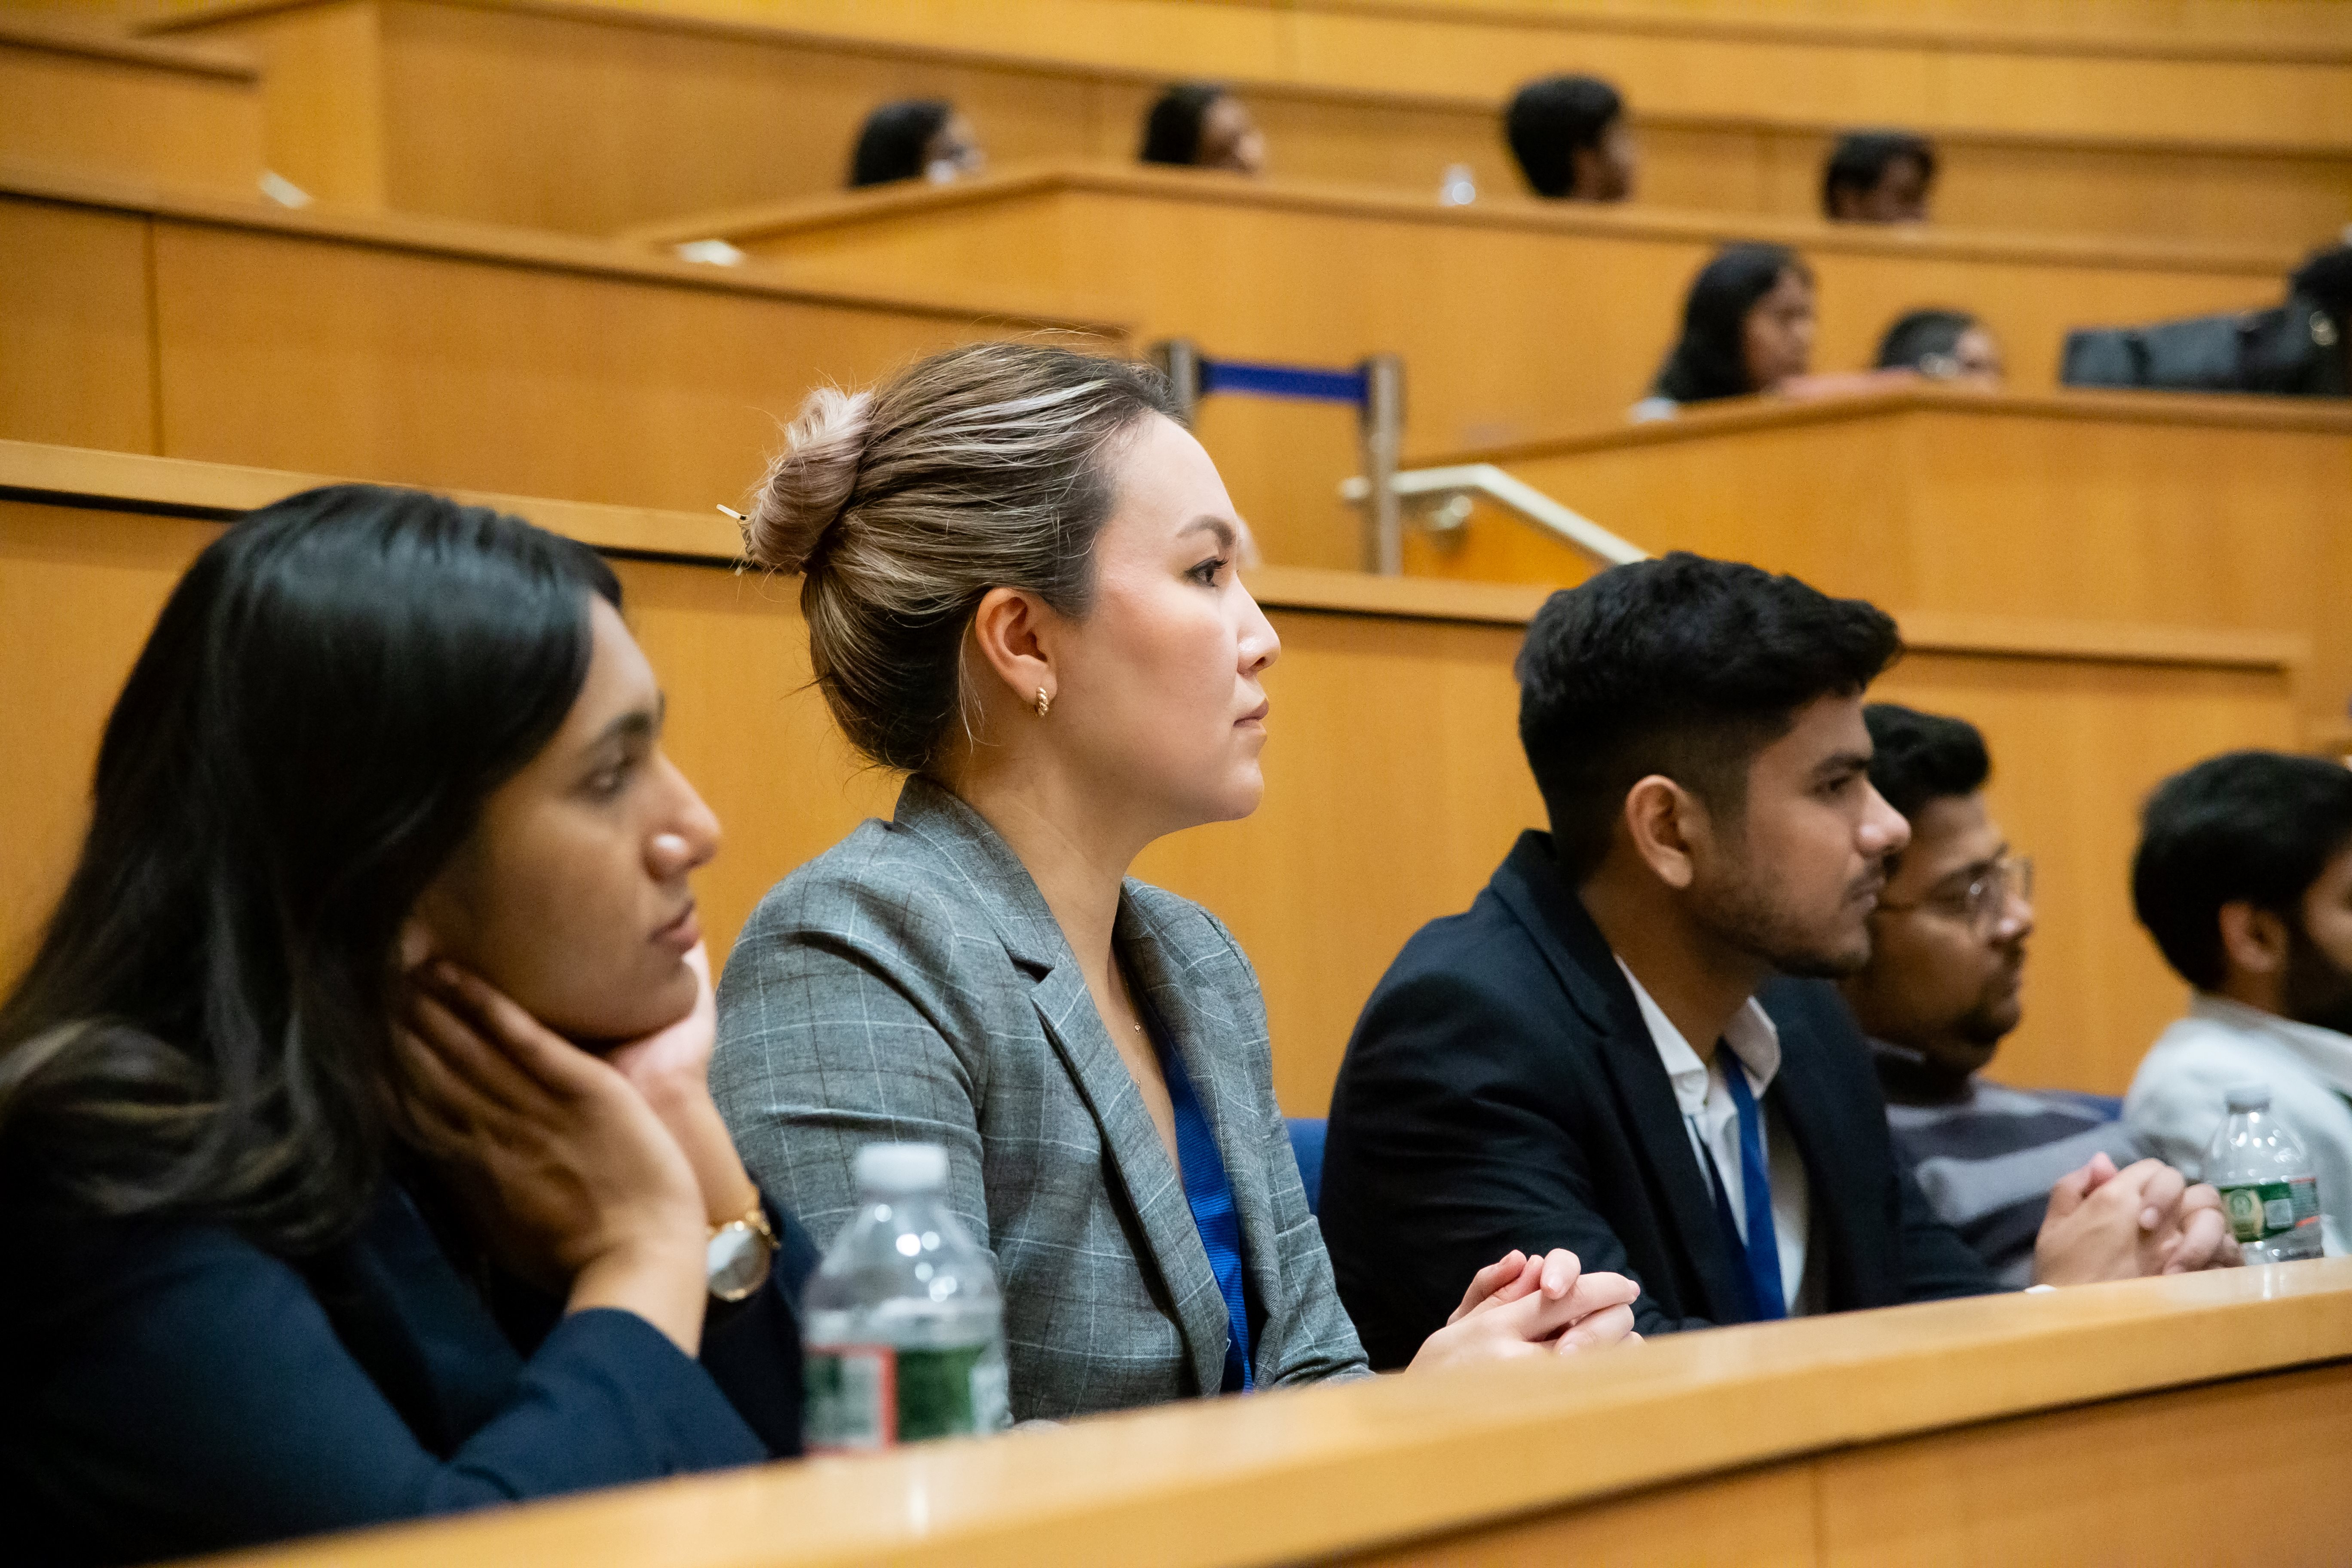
1449, 485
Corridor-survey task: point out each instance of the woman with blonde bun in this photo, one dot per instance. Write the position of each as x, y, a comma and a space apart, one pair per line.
1018, 571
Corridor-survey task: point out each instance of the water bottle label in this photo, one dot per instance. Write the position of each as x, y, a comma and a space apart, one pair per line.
870, 1396
851, 1398
2260, 1210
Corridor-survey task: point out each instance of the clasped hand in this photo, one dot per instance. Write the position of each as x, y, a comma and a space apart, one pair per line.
2106, 1223
1521, 1305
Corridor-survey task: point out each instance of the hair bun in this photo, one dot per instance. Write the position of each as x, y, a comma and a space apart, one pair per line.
809, 482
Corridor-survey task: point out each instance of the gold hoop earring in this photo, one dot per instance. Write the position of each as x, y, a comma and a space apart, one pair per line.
1043, 704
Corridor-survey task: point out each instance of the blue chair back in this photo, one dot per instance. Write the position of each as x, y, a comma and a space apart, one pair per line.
1307, 1145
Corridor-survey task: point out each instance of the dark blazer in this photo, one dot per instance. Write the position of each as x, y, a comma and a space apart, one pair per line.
1502, 1090
171, 1388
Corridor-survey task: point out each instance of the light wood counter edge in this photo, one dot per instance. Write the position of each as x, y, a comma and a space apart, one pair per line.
1959, 38
81, 476
135, 481
750, 225
36, 31
1318, 1471
456, 238
1736, 416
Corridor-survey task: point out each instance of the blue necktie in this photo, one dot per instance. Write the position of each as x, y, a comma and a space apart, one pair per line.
1756, 1190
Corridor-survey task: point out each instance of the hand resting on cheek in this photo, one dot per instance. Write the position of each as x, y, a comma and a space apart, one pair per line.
563, 1165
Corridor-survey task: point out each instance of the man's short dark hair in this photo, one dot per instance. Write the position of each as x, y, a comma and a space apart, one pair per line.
1915, 757
2254, 825
1683, 666
1550, 119
1861, 159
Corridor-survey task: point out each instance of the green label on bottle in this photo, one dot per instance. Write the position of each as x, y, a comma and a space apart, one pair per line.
871, 1396
2260, 1210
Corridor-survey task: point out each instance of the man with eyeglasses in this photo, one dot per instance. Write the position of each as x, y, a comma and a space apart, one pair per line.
1944, 986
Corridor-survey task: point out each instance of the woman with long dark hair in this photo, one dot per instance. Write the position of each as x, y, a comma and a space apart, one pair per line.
1747, 327
356, 1156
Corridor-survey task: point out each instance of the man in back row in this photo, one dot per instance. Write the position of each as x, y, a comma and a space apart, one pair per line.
1945, 983
1616, 1050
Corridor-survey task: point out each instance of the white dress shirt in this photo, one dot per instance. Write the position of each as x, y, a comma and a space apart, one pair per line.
1711, 1119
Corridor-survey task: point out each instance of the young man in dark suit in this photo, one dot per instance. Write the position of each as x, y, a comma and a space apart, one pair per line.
1628, 1047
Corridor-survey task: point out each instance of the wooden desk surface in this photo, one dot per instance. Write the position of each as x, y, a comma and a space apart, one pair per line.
221, 491
70, 36
1704, 421
428, 236
768, 222
1315, 1473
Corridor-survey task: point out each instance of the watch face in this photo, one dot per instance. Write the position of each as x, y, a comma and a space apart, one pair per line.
737, 1260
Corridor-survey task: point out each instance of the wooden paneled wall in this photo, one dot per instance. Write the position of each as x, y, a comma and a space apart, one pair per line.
76, 96
2294, 88
2222, 513
2097, 1425
424, 351
1395, 783
1513, 319
478, 111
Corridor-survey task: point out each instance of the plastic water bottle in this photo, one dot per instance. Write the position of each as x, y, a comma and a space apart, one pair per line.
2266, 1183
904, 1336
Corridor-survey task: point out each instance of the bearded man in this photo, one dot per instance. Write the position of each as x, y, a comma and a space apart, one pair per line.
1627, 1045
2245, 879
1945, 984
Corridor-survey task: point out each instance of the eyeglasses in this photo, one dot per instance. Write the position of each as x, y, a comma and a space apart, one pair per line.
1984, 900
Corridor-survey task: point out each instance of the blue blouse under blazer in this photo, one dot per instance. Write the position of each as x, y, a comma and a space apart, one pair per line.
172, 1388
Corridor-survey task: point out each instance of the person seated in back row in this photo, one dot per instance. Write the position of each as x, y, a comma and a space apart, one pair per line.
1878, 176
2245, 879
1569, 136
1626, 1048
357, 1161
918, 138
1943, 346
1945, 982
1199, 125
1747, 328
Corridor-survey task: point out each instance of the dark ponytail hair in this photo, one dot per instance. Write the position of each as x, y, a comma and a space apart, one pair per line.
308, 734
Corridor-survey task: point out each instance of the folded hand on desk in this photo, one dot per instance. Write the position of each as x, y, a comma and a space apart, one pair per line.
1521, 1305
2106, 1223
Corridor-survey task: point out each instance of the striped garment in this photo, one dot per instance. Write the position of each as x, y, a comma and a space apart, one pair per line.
1986, 1156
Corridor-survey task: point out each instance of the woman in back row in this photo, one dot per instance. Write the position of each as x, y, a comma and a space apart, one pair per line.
1019, 580
1747, 331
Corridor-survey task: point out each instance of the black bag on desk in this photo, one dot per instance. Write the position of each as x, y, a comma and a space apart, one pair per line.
2294, 348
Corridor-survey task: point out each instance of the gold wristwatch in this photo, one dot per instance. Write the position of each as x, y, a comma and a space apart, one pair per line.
735, 1262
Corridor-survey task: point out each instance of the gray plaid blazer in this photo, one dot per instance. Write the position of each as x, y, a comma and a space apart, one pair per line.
910, 984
